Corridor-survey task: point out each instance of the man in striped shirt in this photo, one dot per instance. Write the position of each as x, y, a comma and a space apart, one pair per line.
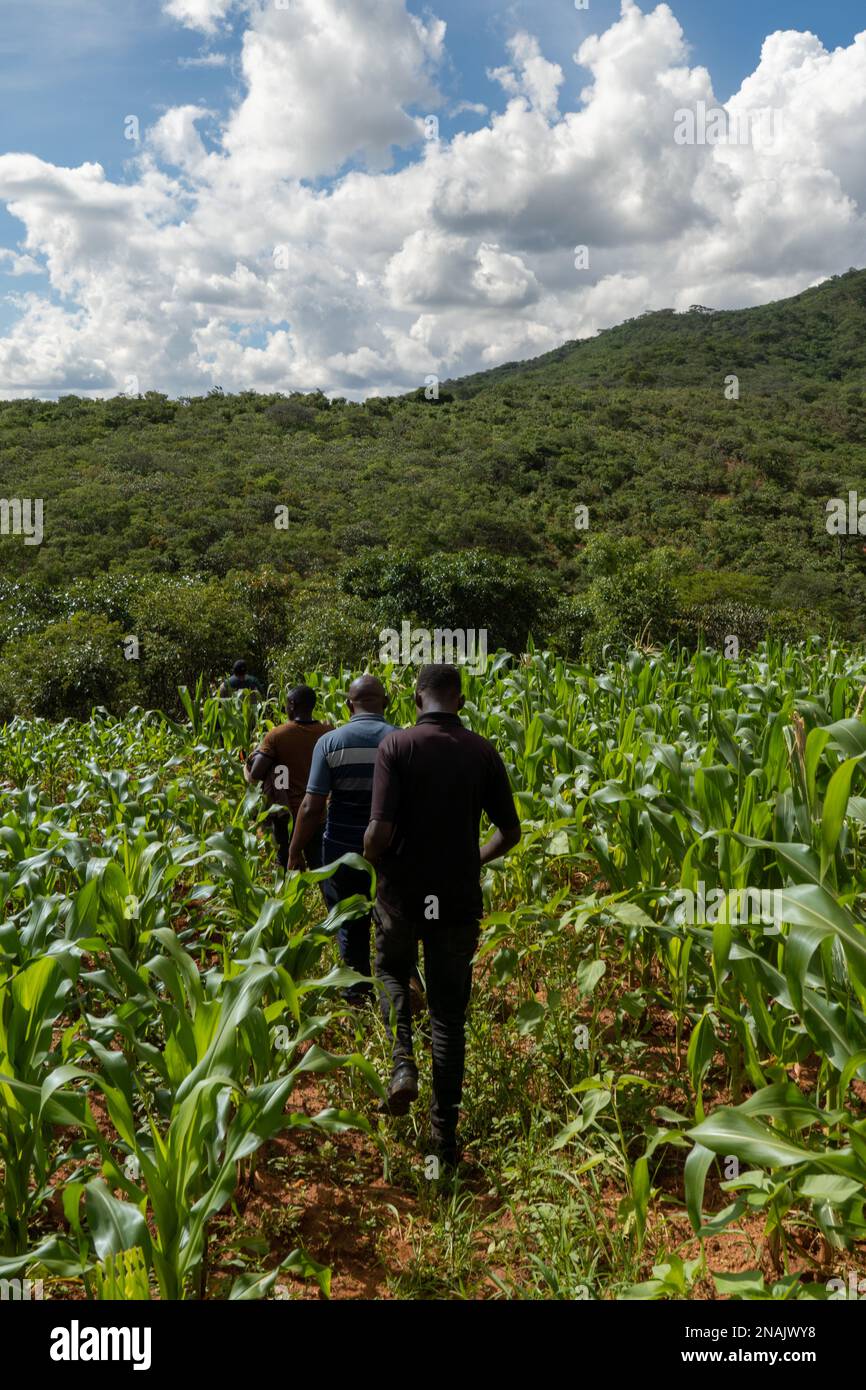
342, 769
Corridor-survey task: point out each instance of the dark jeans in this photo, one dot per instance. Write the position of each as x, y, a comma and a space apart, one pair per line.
353, 937
281, 829
448, 953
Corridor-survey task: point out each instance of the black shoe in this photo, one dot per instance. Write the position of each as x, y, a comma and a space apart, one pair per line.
358, 997
445, 1148
402, 1091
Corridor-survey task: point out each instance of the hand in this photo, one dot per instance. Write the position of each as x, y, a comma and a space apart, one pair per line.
296, 861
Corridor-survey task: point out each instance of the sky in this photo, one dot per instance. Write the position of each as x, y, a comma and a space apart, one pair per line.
354, 195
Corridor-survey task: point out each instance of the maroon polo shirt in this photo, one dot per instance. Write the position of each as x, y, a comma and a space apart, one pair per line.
433, 782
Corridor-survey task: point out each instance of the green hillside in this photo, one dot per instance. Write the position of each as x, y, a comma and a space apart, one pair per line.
729, 495
816, 336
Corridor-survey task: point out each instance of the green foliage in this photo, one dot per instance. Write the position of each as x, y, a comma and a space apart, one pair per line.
473, 590
714, 623
632, 601
572, 622
67, 668
323, 627
632, 424
186, 628
619, 1049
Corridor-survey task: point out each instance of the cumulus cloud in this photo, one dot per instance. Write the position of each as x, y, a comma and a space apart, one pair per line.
199, 14
329, 80
532, 77
18, 265
278, 248
432, 268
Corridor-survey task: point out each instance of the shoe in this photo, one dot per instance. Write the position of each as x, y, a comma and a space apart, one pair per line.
402, 1091
358, 997
417, 997
446, 1149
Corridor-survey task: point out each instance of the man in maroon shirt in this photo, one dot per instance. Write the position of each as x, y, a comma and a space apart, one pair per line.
430, 787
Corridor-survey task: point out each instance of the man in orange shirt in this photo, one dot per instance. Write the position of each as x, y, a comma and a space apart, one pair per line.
282, 764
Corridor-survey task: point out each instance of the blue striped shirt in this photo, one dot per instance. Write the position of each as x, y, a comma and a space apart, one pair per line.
342, 768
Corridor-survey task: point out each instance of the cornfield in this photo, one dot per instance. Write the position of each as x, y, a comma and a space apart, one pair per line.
660, 1104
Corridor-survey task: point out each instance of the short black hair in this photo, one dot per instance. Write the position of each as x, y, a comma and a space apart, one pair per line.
303, 696
440, 679
239, 668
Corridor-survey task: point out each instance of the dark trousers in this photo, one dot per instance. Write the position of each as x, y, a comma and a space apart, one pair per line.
281, 829
353, 937
448, 953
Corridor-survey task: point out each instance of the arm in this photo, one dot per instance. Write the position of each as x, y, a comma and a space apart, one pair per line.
308, 820
386, 800
499, 805
259, 768
500, 842
377, 838
309, 817
261, 763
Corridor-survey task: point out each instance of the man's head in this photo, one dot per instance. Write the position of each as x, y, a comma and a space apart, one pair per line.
438, 690
300, 702
239, 668
367, 696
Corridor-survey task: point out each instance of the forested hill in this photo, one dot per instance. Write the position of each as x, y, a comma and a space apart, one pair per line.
817, 336
639, 426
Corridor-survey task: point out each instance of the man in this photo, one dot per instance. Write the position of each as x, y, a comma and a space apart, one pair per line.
431, 785
239, 680
282, 764
342, 768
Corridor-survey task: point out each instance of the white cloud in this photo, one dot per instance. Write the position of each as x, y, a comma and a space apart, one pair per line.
205, 60
206, 15
18, 265
433, 268
533, 78
329, 80
277, 250
476, 108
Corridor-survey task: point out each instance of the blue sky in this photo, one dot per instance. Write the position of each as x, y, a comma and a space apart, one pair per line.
71, 71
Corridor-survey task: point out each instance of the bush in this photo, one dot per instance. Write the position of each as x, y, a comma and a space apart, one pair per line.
67, 669
184, 628
704, 587
326, 628
636, 605
571, 625
469, 590
711, 624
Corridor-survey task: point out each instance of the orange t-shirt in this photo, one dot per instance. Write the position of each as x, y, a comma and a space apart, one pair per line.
290, 747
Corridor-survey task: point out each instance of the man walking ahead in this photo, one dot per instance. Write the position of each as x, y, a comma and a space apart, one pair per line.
342, 768
431, 785
282, 764
241, 680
